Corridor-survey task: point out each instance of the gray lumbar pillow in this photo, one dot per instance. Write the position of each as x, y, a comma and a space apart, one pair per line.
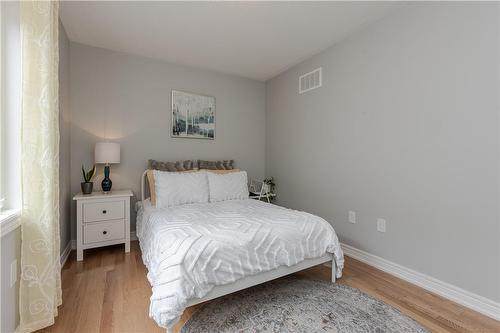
171, 166
216, 165
208, 165
228, 164
190, 165
162, 166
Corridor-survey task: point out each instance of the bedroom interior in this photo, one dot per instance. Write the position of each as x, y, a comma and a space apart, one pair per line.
249, 166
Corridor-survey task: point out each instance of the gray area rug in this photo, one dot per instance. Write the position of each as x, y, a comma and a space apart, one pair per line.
294, 305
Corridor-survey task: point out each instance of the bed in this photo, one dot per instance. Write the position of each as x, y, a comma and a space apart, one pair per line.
201, 251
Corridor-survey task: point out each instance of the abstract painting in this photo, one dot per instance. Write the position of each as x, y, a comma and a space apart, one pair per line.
193, 115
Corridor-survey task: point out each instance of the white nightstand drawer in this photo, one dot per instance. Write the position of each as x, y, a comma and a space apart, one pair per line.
103, 231
102, 211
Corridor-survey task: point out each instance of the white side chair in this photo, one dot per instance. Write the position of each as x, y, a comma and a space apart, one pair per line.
260, 190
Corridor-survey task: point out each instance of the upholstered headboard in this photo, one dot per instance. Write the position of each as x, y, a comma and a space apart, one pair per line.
144, 184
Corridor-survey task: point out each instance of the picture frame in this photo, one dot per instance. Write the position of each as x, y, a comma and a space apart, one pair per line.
193, 115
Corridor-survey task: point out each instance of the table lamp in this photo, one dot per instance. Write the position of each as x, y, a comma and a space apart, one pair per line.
106, 153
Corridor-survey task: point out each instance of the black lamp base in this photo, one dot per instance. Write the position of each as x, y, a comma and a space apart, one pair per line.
106, 182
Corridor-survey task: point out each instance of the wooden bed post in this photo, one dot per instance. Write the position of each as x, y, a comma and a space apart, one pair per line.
334, 270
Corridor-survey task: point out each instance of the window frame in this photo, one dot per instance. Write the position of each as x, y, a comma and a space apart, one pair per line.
10, 93
2, 109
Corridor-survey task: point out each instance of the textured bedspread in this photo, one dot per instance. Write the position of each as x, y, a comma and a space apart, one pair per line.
191, 248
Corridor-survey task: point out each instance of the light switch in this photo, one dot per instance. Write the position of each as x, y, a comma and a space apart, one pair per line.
352, 216
380, 225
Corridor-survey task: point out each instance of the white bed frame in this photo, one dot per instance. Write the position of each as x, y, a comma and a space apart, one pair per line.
256, 279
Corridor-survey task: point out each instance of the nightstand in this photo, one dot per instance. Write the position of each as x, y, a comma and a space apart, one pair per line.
102, 219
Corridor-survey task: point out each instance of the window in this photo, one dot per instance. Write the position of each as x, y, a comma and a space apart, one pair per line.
10, 107
2, 199
1, 109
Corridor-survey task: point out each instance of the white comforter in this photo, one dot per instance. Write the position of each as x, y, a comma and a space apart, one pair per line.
191, 248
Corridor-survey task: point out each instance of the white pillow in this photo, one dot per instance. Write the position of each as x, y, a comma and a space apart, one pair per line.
229, 186
179, 188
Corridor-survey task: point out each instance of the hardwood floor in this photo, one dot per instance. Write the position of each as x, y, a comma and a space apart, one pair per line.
109, 292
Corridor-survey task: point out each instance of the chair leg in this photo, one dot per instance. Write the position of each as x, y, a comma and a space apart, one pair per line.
334, 270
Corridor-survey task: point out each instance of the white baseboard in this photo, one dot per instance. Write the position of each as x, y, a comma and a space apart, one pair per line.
470, 300
66, 252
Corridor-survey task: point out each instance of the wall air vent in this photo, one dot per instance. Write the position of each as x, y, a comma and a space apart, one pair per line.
310, 81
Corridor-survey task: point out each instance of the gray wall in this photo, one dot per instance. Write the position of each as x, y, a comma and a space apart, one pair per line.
64, 140
405, 128
126, 99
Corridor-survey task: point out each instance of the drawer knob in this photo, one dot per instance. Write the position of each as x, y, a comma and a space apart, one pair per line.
104, 232
104, 211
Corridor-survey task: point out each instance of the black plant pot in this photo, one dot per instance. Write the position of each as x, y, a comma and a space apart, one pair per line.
87, 187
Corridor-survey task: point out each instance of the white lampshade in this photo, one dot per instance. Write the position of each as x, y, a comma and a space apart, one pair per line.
107, 152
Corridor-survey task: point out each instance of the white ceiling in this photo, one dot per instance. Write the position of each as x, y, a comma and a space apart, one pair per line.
257, 40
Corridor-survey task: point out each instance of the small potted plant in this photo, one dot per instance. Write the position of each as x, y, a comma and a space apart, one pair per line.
87, 177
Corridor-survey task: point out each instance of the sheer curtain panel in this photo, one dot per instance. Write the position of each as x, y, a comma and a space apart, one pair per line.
40, 284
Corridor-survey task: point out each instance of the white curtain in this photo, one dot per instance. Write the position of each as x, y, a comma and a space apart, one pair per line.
40, 285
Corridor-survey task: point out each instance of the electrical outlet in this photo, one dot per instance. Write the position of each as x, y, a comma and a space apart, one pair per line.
13, 273
380, 225
352, 216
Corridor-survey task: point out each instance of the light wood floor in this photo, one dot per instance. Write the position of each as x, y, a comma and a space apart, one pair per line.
109, 292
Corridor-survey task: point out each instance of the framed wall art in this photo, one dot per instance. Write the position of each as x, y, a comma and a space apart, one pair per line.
193, 115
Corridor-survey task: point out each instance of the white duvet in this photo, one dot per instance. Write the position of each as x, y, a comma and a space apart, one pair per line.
191, 248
